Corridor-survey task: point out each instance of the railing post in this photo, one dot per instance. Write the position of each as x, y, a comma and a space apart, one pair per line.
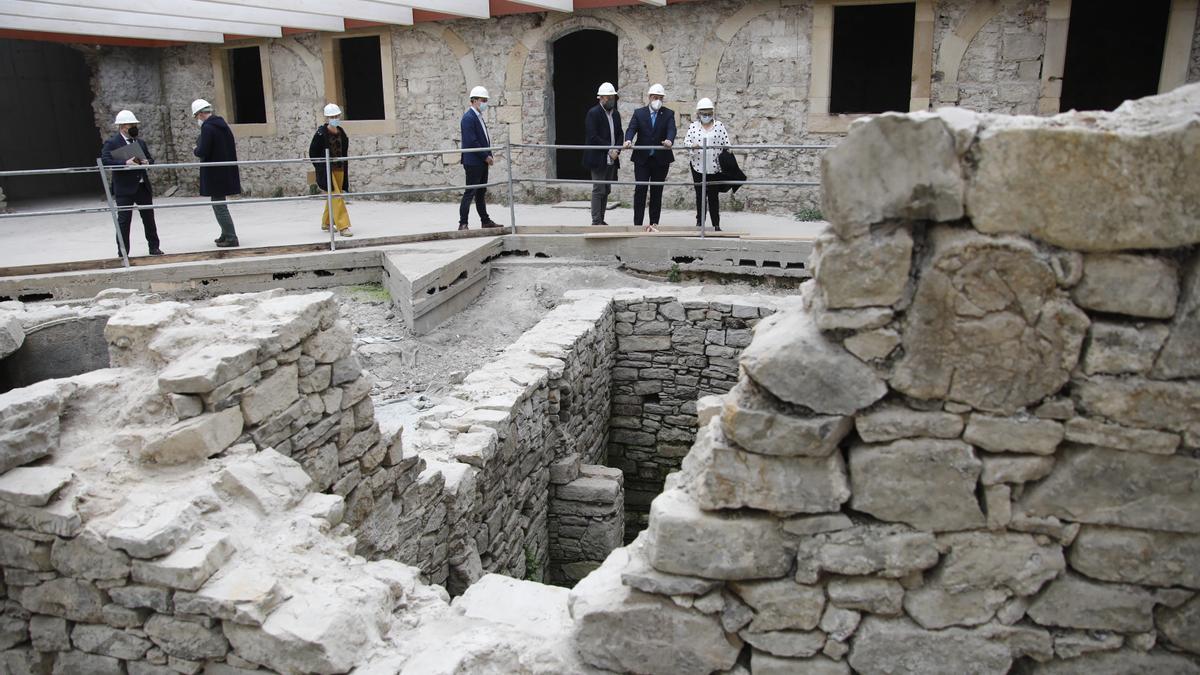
512, 206
112, 209
329, 202
703, 184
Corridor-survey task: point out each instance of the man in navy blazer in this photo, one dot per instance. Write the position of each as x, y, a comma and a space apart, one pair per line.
475, 164
131, 187
652, 125
602, 127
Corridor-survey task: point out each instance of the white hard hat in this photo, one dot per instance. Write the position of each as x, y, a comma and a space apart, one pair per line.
657, 89
125, 117
704, 104
199, 105
332, 110
606, 89
479, 92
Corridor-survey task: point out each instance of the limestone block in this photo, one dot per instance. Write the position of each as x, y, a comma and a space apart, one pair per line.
190, 565
329, 508
988, 326
1091, 485
793, 360
207, 368
781, 604
1071, 601
770, 432
33, 486
1116, 348
131, 328
892, 422
1148, 404
1088, 431
49, 633
1137, 556
29, 421
564, 470
150, 531
1177, 358
243, 594
887, 550
67, 598
929, 484
88, 557
293, 317
323, 631
785, 643
839, 624
714, 545
186, 405
870, 270
868, 318
622, 629
934, 607
1134, 165
762, 663
60, 517
1013, 434
640, 343
527, 605
1121, 662
330, 345
194, 439
872, 345
135, 596
725, 477
476, 448
122, 617
866, 594
344, 370
979, 560
12, 334
588, 489
1181, 625
98, 639
1124, 283
185, 639
893, 167
14, 628
271, 396
637, 573
999, 469
82, 663
900, 646
267, 480
1072, 644
22, 553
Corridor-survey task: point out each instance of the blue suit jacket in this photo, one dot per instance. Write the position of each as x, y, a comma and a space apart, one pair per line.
596, 133
124, 183
663, 129
473, 136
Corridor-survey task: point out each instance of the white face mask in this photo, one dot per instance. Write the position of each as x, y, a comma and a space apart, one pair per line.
199, 122
334, 122
655, 104
483, 106
706, 118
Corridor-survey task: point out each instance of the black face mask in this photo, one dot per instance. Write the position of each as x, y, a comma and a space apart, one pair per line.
608, 105
133, 132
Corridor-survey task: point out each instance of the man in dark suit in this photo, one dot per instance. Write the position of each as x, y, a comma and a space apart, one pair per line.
603, 128
216, 144
131, 187
475, 164
651, 125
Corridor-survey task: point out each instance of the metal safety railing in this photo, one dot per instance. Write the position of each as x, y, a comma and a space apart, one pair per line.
510, 180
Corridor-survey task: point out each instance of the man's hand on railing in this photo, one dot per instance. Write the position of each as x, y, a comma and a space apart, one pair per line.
667, 144
628, 144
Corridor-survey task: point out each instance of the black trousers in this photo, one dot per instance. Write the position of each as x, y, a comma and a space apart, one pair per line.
714, 201
476, 175
142, 197
655, 173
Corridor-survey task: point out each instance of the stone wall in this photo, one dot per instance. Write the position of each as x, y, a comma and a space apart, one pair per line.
975, 447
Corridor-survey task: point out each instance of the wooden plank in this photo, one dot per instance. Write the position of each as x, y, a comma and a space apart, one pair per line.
693, 235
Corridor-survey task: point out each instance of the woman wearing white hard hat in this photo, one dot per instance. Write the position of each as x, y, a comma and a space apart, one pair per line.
706, 127
332, 137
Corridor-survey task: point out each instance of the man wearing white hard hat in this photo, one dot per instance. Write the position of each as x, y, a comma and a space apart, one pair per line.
475, 164
216, 144
652, 125
602, 127
131, 187
332, 137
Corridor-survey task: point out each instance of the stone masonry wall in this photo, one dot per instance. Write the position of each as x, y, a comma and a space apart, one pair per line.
671, 351
975, 447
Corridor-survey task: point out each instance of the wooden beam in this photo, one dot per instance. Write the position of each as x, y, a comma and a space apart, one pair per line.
15, 22
367, 10
207, 9
46, 10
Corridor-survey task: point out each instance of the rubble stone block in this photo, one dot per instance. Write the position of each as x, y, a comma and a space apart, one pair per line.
330, 345
60, 517
82, 663
785, 643
781, 604
979, 560
271, 396
1181, 625
887, 550
207, 368
1177, 357
1013, 434
243, 595
190, 565
588, 489
1071, 601
934, 607
866, 594
12, 334
1123, 283
872, 345
1088, 431
929, 484
1116, 348
67, 598
894, 167
88, 557
185, 639
33, 486
1121, 662
762, 663
769, 432
1137, 556
793, 360
29, 425
49, 633
892, 422
870, 270
119, 644
714, 545
194, 439
999, 469
988, 326
900, 646
150, 531
268, 480
1148, 404
135, 596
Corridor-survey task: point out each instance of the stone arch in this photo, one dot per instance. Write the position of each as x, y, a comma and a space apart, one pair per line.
459, 47
722, 34
954, 46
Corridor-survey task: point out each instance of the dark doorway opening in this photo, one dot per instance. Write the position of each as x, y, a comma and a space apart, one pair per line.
582, 61
872, 58
1114, 53
52, 127
246, 82
362, 77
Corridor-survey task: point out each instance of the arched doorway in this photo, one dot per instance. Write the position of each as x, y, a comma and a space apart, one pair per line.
580, 62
